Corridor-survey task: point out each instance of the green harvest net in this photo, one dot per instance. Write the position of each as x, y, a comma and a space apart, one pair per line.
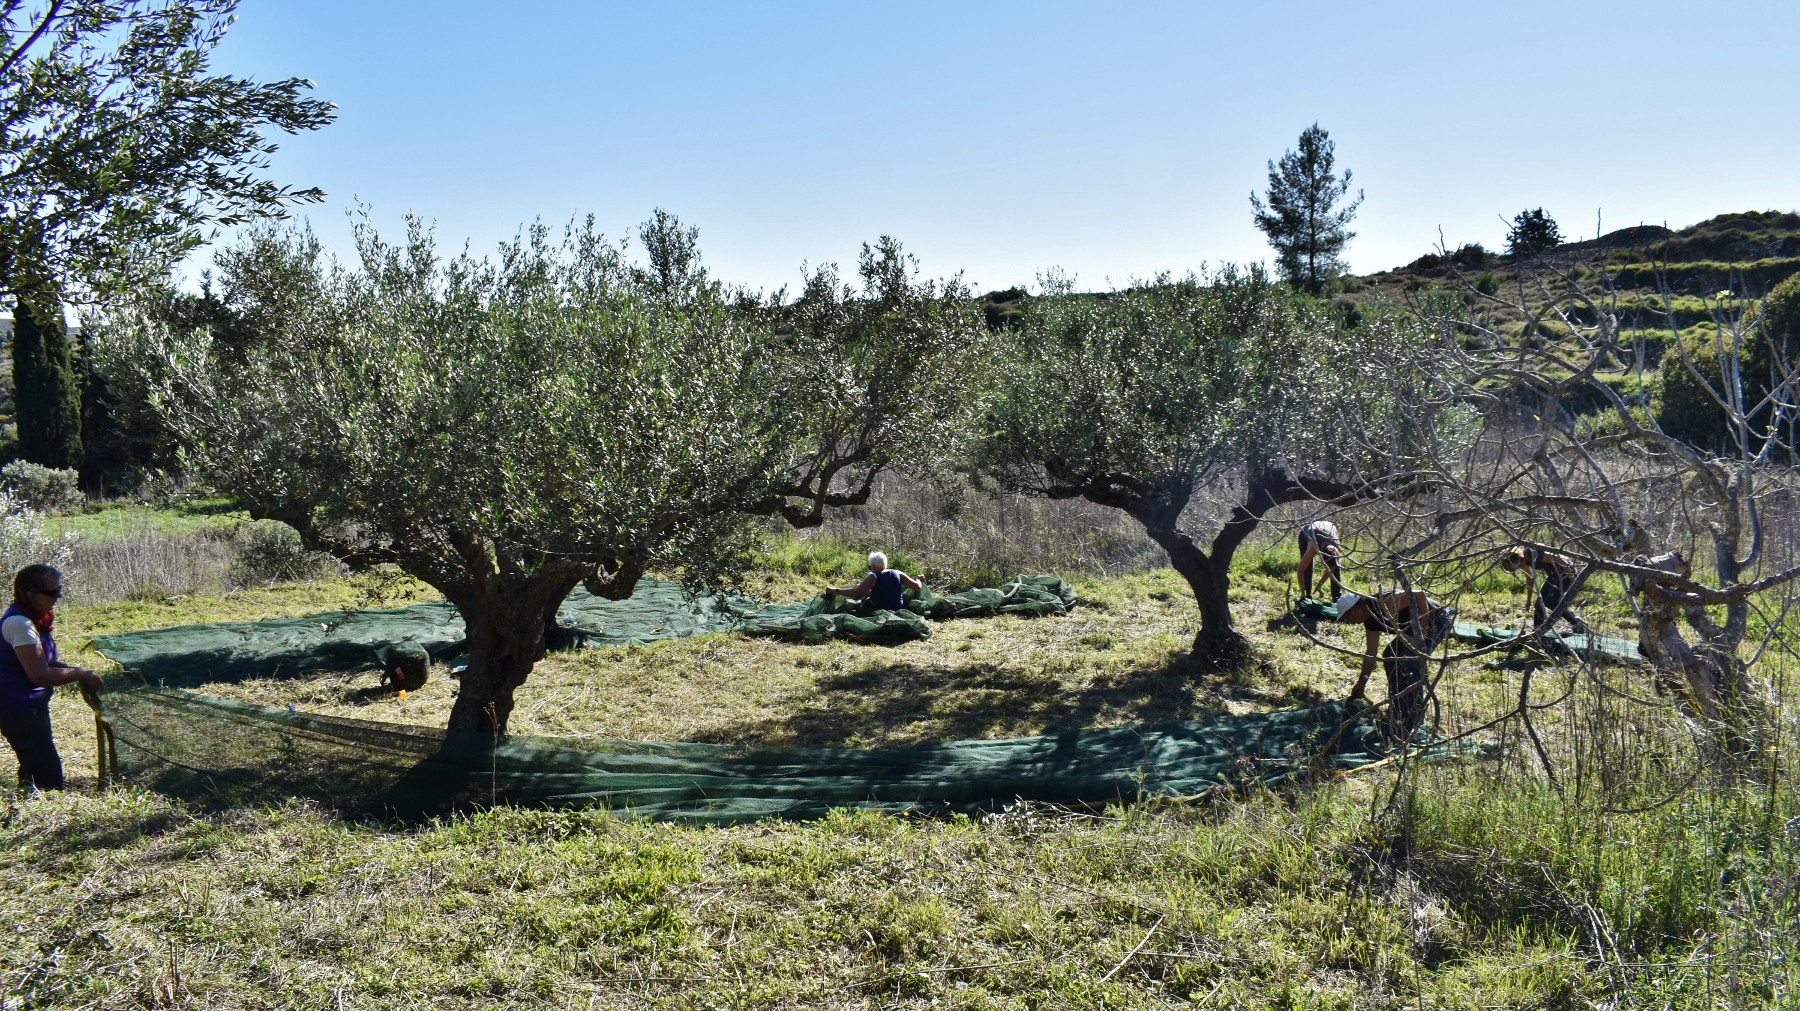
1601, 647
826, 617
195, 655
169, 737
191, 745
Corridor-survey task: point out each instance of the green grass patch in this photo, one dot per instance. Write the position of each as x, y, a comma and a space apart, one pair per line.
111, 520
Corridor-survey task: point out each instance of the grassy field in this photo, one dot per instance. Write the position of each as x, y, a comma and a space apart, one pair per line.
1474, 884
114, 520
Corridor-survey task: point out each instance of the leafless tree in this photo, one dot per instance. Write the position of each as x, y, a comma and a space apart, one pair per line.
1559, 459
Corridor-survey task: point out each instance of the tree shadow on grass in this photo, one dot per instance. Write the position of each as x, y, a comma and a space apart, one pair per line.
905, 704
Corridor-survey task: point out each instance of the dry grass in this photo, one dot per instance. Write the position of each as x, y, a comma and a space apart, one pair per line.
1118, 658
142, 562
961, 536
1486, 889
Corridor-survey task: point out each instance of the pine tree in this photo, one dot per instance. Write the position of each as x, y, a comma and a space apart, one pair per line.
1302, 217
1532, 231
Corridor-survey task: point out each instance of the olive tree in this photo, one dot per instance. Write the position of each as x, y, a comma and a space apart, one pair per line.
509, 428
1139, 399
119, 147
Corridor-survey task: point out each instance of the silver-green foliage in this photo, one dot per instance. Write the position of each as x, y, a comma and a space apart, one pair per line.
48, 489
1138, 399
507, 427
1170, 385
120, 144
269, 551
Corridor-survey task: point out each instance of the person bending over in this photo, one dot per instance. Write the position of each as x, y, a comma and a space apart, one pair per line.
1320, 538
29, 670
1559, 578
1391, 612
885, 588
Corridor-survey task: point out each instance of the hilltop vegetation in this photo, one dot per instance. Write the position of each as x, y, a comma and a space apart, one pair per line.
1653, 271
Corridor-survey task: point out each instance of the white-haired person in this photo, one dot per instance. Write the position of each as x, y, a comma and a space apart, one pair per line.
885, 588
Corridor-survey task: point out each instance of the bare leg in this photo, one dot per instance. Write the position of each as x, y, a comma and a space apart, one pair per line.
1371, 641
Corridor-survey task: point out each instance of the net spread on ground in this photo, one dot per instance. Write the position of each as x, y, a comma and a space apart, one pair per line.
169, 735
1601, 647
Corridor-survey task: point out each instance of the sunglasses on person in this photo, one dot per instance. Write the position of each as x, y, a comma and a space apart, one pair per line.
54, 594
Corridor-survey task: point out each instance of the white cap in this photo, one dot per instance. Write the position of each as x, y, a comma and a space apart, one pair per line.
1346, 602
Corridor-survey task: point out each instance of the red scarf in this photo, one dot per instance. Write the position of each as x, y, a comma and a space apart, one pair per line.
44, 621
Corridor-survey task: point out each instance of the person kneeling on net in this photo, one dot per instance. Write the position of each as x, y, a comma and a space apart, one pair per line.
1393, 613
29, 670
1320, 539
885, 588
1559, 578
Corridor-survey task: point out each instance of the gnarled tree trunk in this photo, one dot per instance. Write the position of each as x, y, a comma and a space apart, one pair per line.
1707, 675
1209, 577
505, 619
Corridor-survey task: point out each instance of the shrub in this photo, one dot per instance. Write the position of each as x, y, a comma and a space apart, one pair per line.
1686, 410
1775, 323
1488, 283
46, 489
1472, 254
1347, 309
23, 540
1683, 406
272, 552
161, 488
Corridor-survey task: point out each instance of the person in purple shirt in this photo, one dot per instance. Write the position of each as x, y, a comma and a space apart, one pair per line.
884, 587
29, 669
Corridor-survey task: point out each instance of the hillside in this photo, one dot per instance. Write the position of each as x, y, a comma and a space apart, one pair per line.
1655, 275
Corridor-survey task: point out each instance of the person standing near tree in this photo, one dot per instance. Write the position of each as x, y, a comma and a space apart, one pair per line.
28, 672
1320, 538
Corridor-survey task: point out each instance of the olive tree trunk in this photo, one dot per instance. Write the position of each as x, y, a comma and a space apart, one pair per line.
505, 621
1209, 577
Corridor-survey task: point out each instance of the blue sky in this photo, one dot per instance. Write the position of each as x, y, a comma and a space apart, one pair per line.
1110, 140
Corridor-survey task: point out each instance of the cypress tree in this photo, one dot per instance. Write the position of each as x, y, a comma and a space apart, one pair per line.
45, 388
